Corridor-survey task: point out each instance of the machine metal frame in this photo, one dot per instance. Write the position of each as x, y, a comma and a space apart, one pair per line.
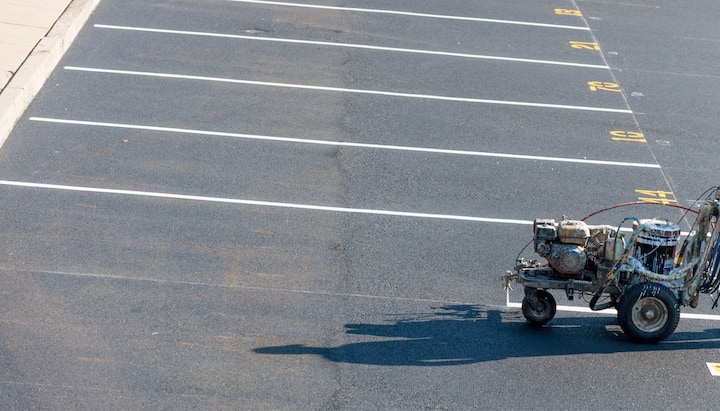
647, 276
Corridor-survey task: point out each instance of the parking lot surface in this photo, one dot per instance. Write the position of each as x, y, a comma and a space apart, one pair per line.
309, 205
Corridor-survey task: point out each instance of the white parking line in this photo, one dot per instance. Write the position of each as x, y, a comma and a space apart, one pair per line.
344, 144
348, 45
311, 207
322, 208
345, 90
412, 14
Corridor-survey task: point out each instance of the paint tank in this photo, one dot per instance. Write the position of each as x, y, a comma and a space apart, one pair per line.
656, 244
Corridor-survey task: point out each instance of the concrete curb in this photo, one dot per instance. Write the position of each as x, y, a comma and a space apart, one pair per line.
31, 76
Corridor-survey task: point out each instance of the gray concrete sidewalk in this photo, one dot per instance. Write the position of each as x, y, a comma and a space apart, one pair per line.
34, 35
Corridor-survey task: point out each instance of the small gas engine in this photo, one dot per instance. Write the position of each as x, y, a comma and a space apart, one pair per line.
645, 272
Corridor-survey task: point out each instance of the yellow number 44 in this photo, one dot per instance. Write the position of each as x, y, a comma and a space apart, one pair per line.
656, 196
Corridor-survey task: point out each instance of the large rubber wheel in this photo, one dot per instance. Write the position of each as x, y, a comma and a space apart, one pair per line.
543, 315
648, 312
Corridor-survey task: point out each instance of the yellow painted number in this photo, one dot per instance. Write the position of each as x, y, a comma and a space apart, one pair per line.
604, 86
584, 45
656, 196
568, 12
632, 136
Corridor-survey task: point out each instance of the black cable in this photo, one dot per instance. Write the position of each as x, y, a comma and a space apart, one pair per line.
523, 249
711, 276
711, 279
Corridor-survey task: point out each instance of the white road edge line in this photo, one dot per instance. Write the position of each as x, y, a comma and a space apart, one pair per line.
98, 190
412, 14
611, 311
349, 45
345, 90
344, 144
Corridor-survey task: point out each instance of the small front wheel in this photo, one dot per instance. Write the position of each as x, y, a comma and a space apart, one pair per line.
541, 311
648, 312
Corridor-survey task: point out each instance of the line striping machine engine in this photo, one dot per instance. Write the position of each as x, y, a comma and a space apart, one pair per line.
646, 275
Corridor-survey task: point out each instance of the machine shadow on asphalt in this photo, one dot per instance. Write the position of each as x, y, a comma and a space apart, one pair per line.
466, 334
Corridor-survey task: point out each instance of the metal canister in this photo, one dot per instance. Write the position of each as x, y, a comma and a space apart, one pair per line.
656, 245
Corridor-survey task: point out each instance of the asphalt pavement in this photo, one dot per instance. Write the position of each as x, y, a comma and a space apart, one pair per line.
309, 205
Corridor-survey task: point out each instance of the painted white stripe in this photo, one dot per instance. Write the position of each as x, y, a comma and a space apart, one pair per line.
344, 144
262, 203
317, 208
345, 90
610, 311
412, 14
700, 316
568, 308
348, 45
